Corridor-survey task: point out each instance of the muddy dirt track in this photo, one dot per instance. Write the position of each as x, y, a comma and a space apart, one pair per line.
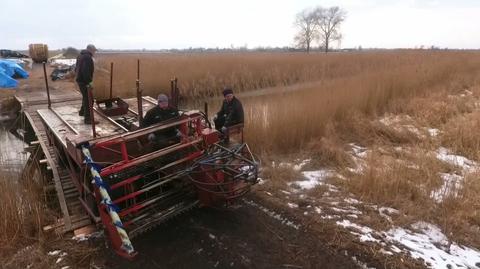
240, 237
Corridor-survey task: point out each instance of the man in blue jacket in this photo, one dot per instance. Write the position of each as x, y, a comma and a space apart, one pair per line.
84, 76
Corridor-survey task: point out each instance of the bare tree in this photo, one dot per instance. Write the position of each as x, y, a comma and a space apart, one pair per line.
307, 25
328, 21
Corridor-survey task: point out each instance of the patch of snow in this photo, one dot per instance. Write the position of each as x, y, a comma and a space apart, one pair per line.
352, 210
318, 210
66, 267
268, 193
212, 236
330, 217
352, 201
54, 252
361, 264
414, 130
451, 185
386, 252
386, 212
83, 237
59, 260
358, 156
300, 165
286, 192
313, 179
443, 154
365, 234
433, 132
272, 214
348, 224
427, 243
397, 122
297, 167
431, 245
292, 205
261, 181
358, 150
395, 249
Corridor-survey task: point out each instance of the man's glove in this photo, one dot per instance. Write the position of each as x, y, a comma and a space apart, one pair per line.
151, 137
178, 133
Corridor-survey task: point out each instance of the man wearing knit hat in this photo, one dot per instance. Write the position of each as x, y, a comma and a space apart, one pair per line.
84, 68
161, 112
231, 112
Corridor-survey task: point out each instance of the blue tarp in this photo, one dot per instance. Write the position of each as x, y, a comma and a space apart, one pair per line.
8, 70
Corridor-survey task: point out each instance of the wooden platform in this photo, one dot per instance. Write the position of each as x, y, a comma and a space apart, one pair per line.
74, 215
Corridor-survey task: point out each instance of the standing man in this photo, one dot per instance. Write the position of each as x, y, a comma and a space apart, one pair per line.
231, 112
84, 77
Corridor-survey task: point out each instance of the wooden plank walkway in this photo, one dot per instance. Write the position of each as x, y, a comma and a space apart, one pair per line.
74, 216
33, 97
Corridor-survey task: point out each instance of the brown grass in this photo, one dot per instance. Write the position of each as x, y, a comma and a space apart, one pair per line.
461, 136
329, 151
327, 87
460, 216
22, 213
405, 179
278, 177
206, 74
400, 183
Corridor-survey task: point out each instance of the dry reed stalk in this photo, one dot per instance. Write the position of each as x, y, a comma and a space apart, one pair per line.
460, 135
205, 74
289, 120
22, 213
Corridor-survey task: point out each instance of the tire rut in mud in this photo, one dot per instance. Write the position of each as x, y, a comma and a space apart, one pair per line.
244, 236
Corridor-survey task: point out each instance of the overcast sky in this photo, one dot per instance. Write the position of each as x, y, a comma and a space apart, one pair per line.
137, 24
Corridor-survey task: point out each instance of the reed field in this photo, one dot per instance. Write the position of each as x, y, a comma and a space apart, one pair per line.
316, 106
305, 91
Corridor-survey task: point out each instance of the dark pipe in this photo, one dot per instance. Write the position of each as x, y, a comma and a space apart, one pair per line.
46, 84
176, 93
172, 93
111, 80
90, 107
206, 109
139, 95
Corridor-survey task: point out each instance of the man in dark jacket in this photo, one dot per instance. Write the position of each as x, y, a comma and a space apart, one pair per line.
158, 114
231, 112
84, 77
